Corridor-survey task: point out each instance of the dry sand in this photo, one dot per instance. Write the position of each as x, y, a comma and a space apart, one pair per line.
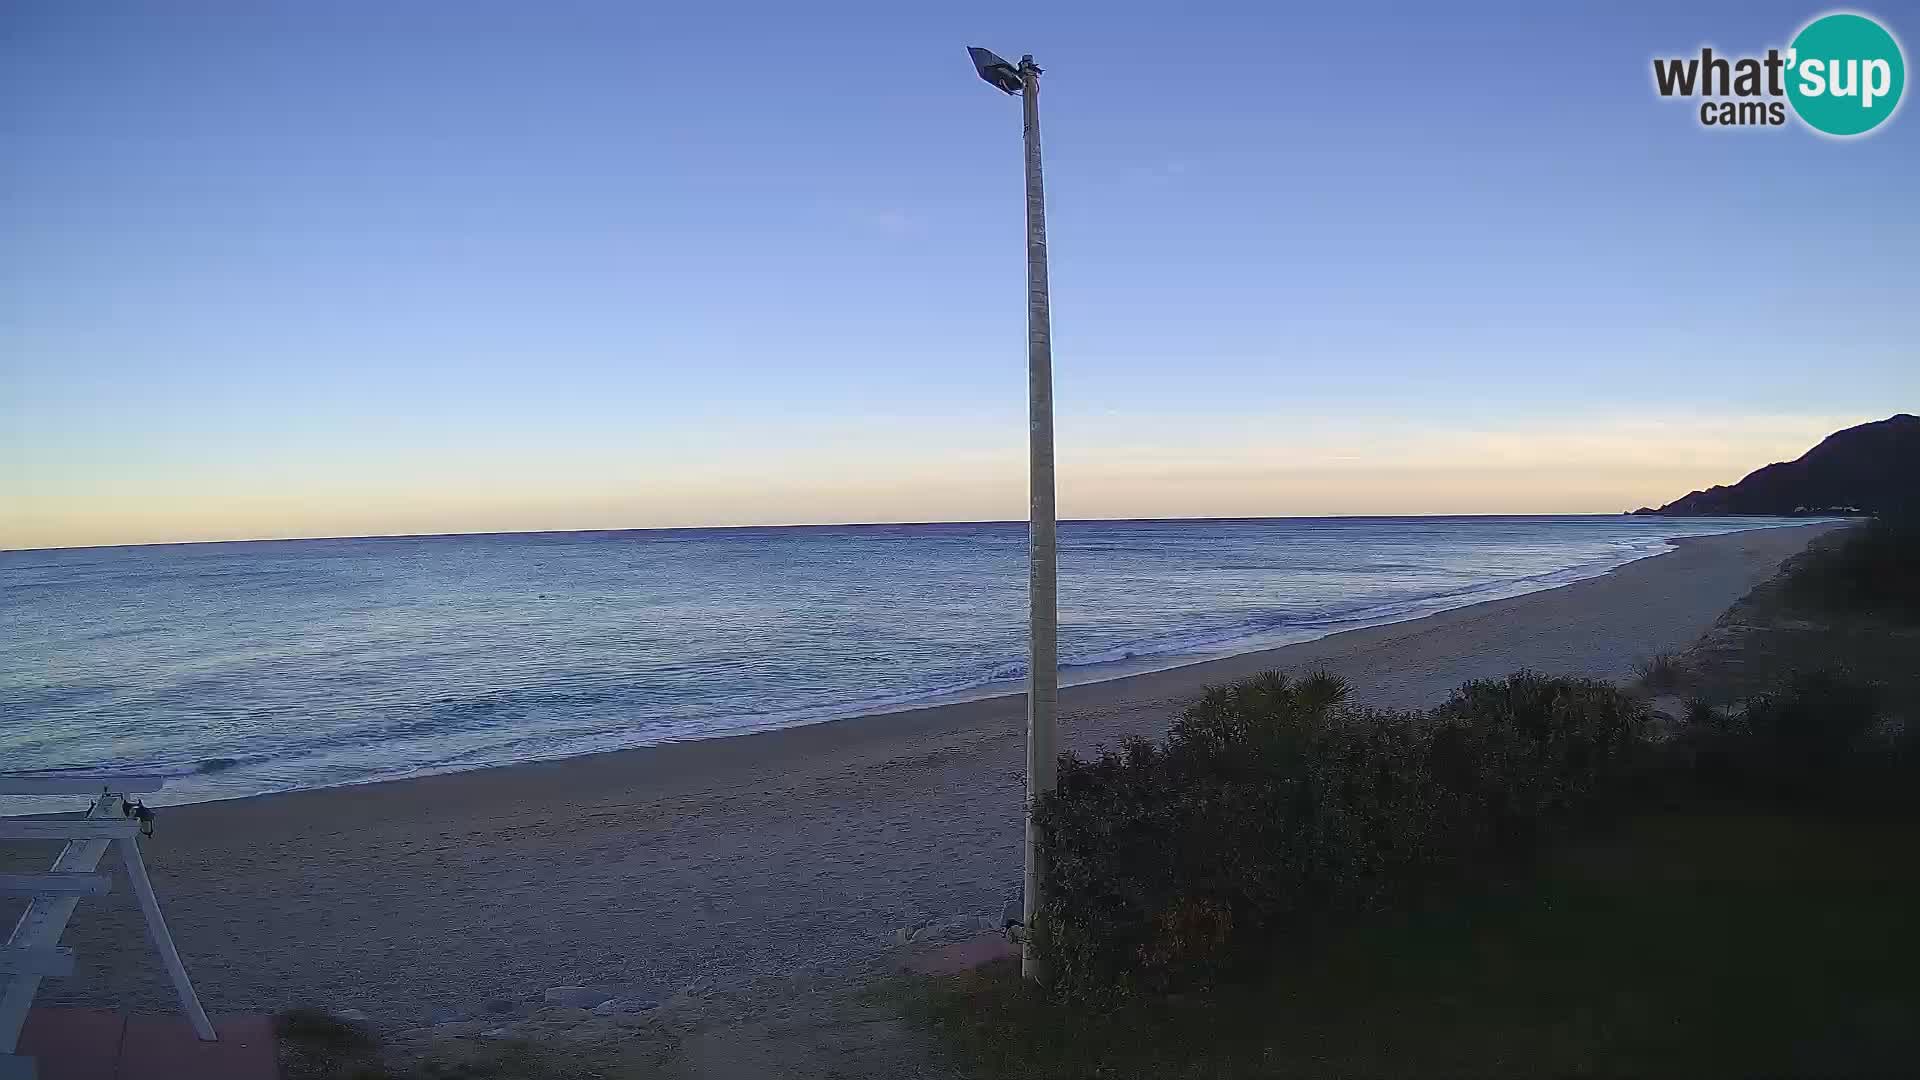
731, 861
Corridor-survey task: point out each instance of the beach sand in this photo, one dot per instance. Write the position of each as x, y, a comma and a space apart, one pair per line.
731, 862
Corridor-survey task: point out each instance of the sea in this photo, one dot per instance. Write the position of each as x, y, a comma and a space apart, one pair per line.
244, 668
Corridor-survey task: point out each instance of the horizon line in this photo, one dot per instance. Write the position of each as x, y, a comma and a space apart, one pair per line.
808, 525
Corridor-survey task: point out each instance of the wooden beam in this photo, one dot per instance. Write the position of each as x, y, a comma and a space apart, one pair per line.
56, 961
55, 884
80, 784
67, 828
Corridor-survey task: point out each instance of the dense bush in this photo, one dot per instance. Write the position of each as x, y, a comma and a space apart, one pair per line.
1523, 752
1272, 801
1816, 737
1873, 569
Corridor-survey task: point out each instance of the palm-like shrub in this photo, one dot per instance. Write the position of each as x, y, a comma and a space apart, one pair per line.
1519, 753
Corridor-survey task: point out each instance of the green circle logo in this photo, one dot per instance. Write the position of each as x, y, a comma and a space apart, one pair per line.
1845, 74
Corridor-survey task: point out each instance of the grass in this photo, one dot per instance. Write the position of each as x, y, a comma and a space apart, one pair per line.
1663, 673
1711, 942
315, 1045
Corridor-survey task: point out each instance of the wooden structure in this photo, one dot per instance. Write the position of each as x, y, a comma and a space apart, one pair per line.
34, 952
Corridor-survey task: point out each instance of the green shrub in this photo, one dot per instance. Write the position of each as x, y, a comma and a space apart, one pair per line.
1175, 864
1814, 737
1873, 569
1662, 673
1522, 752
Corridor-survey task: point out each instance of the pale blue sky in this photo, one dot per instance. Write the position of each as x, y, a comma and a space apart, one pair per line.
319, 269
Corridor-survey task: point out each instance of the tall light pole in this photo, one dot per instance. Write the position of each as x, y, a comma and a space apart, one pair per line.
1043, 601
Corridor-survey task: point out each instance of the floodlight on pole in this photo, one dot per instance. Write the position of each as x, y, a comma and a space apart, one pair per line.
1043, 602
995, 71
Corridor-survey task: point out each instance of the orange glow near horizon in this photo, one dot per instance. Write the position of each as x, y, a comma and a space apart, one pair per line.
1573, 468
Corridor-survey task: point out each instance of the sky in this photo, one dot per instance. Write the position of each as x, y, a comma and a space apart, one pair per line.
298, 269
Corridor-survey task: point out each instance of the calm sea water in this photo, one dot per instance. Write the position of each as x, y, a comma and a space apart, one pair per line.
250, 667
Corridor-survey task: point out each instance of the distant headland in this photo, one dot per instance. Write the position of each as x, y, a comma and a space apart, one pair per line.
1870, 469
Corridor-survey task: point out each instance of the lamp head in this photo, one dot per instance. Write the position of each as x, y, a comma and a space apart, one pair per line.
997, 72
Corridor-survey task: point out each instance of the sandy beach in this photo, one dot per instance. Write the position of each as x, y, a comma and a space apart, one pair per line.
731, 861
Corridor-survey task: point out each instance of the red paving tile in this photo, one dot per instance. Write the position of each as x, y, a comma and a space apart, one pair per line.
85, 1044
73, 1044
166, 1046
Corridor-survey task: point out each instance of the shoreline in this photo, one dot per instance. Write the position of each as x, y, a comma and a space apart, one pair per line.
733, 861
201, 786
